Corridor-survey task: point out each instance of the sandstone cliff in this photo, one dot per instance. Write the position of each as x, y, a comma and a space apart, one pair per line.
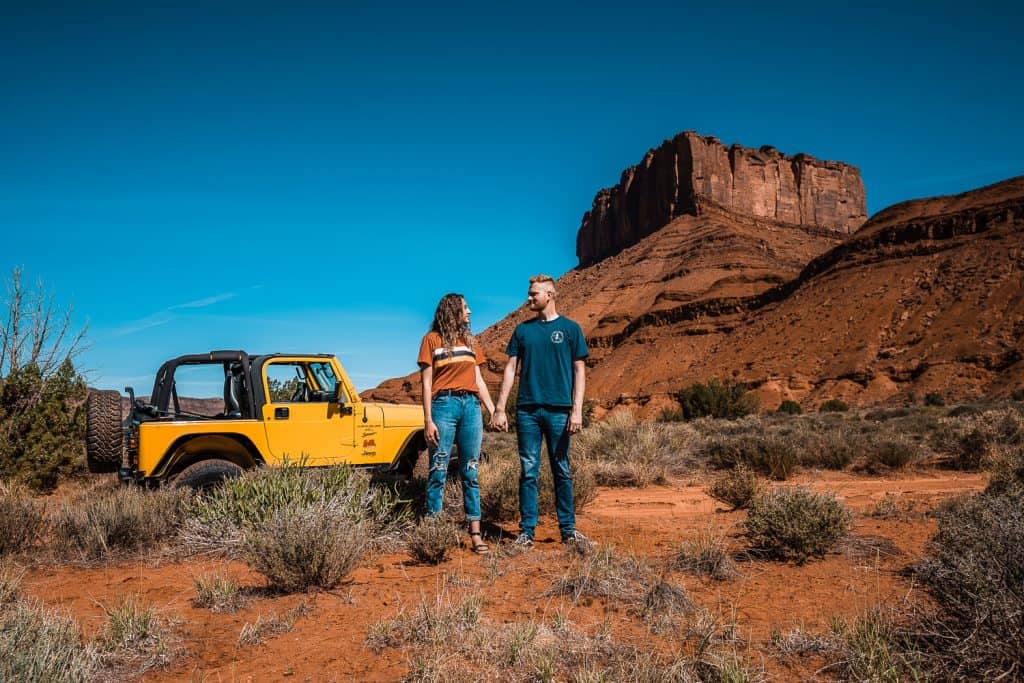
689, 172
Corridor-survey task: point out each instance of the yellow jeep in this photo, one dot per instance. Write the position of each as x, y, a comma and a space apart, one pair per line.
277, 408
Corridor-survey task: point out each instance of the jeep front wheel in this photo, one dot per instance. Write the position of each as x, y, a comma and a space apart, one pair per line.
206, 474
104, 439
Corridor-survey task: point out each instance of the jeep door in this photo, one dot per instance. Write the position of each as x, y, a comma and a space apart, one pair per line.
301, 420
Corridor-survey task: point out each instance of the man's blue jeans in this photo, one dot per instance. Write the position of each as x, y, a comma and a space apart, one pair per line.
535, 424
458, 421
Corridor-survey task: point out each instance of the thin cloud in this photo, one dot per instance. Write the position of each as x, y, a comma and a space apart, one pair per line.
203, 303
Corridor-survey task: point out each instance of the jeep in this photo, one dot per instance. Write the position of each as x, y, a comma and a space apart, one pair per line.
277, 409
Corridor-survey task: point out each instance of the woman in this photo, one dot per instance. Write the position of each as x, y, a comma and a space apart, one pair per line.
449, 363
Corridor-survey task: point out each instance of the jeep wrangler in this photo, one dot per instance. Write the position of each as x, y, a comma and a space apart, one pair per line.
277, 408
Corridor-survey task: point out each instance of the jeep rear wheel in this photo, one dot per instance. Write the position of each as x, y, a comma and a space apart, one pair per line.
206, 474
104, 440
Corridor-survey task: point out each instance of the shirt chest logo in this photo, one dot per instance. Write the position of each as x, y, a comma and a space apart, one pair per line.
557, 337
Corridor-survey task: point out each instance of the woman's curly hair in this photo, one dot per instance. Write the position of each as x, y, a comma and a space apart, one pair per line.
448, 322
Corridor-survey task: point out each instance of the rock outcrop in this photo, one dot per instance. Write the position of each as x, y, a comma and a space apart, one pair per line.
689, 172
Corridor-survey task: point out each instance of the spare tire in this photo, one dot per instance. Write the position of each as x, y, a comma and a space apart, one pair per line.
104, 438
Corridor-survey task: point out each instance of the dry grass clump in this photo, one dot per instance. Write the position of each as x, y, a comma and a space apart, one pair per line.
429, 624
217, 592
313, 546
255, 632
662, 604
706, 555
433, 538
603, 573
875, 648
624, 452
796, 523
736, 487
135, 638
499, 481
22, 519
974, 574
111, 522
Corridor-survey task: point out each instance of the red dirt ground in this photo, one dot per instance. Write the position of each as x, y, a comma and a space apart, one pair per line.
327, 644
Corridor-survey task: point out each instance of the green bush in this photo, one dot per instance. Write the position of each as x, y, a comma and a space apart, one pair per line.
934, 398
789, 407
796, 523
736, 488
44, 425
974, 574
218, 519
718, 399
833, 405
22, 521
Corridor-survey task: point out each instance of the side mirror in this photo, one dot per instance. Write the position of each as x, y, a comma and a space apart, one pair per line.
339, 395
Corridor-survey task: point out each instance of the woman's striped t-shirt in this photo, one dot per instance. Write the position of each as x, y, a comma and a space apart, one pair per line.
453, 369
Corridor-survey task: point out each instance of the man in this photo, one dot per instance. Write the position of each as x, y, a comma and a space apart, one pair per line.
548, 351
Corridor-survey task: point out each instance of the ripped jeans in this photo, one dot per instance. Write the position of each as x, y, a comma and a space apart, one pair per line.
458, 421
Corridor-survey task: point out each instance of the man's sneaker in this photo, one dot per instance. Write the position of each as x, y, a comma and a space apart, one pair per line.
578, 540
523, 542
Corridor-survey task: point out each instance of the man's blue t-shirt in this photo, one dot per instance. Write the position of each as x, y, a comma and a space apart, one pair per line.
546, 350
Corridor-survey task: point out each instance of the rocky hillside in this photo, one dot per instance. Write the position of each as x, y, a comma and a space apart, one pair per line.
927, 296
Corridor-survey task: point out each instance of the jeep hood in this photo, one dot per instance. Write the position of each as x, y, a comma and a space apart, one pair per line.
396, 415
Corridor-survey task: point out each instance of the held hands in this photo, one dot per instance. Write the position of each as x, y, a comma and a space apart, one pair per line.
431, 433
499, 421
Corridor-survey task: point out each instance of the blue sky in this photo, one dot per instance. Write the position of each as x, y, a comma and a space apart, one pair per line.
314, 176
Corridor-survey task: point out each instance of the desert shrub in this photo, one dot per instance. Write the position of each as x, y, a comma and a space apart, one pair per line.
790, 407
43, 422
833, 449
307, 546
974, 574
934, 398
895, 452
736, 487
1017, 394
499, 481
622, 452
769, 453
218, 520
717, 398
834, 405
967, 439
22, 520
706, 555
882, 414
41, 645
1006, 464
887, 508
217, 592
796, 523
433, 538
103, 521
662, 603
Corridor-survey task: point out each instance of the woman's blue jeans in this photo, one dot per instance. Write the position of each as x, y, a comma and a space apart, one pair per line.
535, 424
458, 422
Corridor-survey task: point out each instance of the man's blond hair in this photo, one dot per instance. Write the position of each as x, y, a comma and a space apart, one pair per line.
543, 279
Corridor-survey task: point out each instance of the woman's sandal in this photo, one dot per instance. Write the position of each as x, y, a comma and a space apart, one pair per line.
478, 545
